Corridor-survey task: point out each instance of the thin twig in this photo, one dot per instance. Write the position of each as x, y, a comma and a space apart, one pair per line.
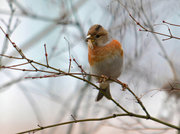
17, 48
44, 76
145, 29
46, 54
125, 86
155, 33
80, 66
11, 57
73, 118
69, 51
17, 65
170, 23
9, 31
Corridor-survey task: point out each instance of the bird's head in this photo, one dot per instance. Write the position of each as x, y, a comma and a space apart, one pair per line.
97, 36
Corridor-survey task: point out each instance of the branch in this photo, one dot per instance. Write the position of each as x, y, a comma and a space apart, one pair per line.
125, 86
170, 36
99, 119
57, 72
170, 24
46, 55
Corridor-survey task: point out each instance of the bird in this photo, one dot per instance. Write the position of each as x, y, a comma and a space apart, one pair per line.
105, 57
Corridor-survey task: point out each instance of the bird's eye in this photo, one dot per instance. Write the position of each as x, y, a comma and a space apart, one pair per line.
97, 36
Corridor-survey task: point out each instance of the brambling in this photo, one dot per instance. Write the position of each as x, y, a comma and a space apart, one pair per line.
105, 56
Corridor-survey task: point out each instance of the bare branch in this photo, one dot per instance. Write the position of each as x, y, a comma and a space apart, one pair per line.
46, 55
99, 119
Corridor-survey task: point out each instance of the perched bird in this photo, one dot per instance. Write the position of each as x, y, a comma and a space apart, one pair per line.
105, 56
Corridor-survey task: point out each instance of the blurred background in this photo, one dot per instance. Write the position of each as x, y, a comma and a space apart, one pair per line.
151, 67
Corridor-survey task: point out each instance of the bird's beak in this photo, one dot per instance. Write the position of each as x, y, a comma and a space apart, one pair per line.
88, 37
89, 40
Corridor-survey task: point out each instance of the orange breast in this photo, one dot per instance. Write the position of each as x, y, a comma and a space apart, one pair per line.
98, 54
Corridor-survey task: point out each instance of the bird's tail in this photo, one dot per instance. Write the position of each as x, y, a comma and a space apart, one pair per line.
105, 91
